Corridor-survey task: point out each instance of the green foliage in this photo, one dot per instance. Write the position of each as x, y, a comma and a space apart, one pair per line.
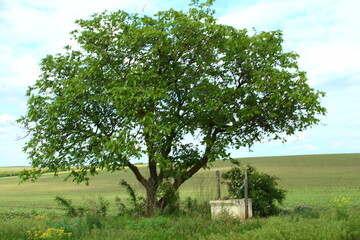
103, 206
193, 207
137, 203
14, 228
263, 189
95, 211
130, 191
71, 210
138, 85
37, 233
11, 214
92, 211
306, 212
323, 224
168, 193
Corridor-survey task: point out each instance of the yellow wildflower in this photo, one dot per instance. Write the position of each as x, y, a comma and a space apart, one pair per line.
40, 217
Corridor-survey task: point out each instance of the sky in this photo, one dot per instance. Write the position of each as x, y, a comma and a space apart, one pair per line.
325, 33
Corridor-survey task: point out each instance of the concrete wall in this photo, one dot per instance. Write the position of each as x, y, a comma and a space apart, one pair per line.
234, 208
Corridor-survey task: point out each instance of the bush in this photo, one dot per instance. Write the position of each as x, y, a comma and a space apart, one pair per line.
71, 210
93, 211
171, 196
263, 189
137, 202
193, 208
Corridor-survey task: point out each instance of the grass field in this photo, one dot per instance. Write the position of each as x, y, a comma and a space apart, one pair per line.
28, 211
312, 180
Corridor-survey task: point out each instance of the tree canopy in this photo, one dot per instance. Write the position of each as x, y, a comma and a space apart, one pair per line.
176, 87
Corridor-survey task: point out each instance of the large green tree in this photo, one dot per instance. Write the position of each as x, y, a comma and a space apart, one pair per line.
176, 87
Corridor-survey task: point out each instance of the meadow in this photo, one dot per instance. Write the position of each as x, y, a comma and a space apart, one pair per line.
316, 182
312, 180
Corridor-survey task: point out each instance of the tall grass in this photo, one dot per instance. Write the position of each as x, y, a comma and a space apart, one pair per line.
335, 223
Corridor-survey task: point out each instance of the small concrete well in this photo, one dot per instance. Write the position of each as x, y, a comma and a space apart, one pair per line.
234, 208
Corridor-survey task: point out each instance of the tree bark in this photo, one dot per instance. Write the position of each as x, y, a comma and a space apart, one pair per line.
151, 197
179, 181
137, 174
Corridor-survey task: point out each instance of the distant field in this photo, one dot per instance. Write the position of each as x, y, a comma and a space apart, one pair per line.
312, 180
10, 171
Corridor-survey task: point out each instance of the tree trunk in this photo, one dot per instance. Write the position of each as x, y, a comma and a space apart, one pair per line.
162, 203
151, 198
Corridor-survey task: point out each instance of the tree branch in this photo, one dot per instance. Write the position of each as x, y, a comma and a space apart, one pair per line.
137, 173
204, 160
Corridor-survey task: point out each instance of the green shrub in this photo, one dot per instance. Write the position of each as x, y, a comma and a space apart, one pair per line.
263, 189
77, 226
301, 224
92, 211
70, 209
306, 212
192, 207
137, 203
95, 211
167, 192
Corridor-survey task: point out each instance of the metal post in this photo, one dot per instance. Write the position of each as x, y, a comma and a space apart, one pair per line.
246, 189
218, 192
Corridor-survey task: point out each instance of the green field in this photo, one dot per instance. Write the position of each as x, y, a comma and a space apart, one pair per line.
28, 211
311, 180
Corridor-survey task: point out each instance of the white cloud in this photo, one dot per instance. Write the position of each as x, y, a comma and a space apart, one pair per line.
306, 148
299, 136
6, 119
6, 126
46, 24
23, 71
330, 61
326, 34
355, 123
336, 144
270, 15
31, 29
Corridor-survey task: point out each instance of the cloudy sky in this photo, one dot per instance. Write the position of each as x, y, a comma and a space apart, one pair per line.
326, 34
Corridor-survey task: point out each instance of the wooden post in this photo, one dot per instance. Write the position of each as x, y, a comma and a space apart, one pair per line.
246, 196
218, 192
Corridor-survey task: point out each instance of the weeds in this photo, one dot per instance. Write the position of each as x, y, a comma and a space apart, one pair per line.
36, 233
302, 223
167, 191
137, 203
192, 207
71, 210
92, 212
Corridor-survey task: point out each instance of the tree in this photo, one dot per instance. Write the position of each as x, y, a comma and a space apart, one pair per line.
176, 87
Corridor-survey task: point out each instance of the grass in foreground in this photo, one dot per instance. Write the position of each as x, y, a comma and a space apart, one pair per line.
28, 211
335, 223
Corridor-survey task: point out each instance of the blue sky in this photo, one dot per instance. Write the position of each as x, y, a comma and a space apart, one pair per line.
326, 34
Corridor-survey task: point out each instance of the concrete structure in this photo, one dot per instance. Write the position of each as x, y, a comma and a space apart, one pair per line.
233, 207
